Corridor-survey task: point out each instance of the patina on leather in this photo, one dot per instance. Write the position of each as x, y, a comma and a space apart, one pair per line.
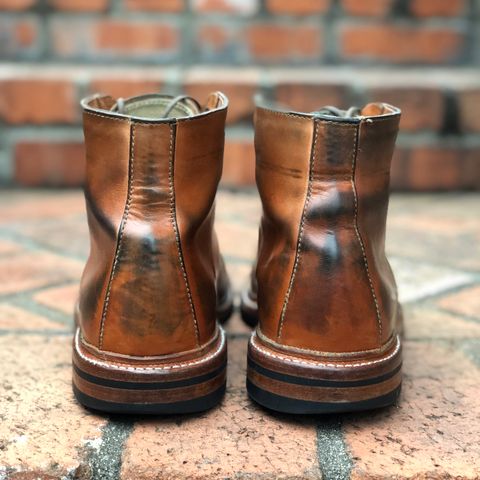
322, 280
322, 289
154, 273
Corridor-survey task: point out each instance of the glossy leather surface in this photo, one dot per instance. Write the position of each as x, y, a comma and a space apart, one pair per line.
324, 283
151, 282
282, 146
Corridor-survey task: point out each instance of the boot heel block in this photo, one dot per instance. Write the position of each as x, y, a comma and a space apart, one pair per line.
160, 387
286, 382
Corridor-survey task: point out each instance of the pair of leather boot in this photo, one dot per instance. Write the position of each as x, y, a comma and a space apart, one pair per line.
155, 290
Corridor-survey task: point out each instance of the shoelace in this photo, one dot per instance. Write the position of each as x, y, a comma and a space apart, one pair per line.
181, 98
337, 112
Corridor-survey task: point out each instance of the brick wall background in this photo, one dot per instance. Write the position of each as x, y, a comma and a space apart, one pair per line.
422, 55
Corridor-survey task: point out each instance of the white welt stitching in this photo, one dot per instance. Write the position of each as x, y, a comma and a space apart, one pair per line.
318, 353
254, 344
172, 366
300, 234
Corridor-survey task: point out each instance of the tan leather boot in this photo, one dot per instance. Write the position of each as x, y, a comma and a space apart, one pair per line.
147, 340
327, 339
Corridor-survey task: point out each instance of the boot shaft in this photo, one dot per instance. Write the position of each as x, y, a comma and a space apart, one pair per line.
323, 279
149, 286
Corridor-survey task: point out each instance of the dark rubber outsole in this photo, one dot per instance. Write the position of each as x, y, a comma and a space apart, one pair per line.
283, 404
199, 404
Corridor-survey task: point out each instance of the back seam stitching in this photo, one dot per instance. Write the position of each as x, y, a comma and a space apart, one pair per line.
120, 235
359, 237
300, 233
173, 217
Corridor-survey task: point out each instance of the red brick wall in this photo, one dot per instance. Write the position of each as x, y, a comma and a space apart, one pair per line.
421, 55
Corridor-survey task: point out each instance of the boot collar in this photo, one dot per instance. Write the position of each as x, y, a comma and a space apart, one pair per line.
154, 108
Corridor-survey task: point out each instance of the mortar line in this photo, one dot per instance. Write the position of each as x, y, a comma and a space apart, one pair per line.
106, 462
448, 291
32, 245
430, 263
36, 308
334, 459
34, 290
46, 333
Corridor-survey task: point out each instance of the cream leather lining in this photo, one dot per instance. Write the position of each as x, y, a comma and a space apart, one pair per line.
153, 107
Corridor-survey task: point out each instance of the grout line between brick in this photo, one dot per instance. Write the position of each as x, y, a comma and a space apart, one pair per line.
471, 349
474, 281
429, 263
35, 333
334, 459
25, 302
106, 462
34, 246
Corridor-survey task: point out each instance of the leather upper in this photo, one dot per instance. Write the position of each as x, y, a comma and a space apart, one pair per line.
324, 283
151, 281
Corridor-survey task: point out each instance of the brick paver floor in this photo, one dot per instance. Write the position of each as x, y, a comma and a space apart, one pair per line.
434, 244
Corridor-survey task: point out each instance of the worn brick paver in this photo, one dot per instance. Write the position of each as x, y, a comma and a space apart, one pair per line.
418, 280
30, 270
236, 438
465, 302
425, 322
7, 248
59, 298
28, 205
42, 429
434, 431
440, 233
434, 242
15, 318
67, 235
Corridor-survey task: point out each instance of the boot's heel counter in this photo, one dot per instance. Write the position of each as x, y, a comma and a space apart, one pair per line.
134, 256
148, 288
283, 146
199, 146
376, 144
148, 309
335, 300
105, 191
